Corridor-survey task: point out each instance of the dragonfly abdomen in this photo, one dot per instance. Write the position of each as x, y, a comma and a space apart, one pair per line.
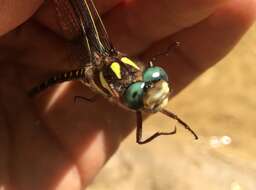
77, 74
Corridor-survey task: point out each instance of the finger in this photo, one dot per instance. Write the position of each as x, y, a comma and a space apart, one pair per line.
207, 42
211, 40
14, 13
140, 23
4, 153
105, 6
37, 159
48, 17
37, 49
205, 7
39, 44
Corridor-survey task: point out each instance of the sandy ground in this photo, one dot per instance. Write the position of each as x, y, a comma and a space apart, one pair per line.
221, 107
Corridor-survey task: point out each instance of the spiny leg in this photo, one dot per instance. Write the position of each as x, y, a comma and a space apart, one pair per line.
175, 117
139, 131
91, 99
171, 47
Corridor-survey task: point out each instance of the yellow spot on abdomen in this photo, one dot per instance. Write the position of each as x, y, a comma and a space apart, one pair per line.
116, 69
127, 61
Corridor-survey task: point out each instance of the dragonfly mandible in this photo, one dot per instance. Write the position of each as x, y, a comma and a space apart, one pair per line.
109, 72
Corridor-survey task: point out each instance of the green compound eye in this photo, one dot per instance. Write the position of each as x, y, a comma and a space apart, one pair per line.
154, 73
133, 95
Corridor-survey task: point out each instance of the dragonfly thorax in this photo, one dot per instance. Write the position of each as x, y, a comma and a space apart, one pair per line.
116, 73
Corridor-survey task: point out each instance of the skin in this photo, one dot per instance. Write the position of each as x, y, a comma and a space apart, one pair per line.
51, 143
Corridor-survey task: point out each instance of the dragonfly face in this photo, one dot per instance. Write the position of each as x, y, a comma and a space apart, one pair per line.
151, 93
136, 87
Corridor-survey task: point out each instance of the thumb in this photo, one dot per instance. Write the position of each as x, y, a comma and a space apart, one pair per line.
13, 13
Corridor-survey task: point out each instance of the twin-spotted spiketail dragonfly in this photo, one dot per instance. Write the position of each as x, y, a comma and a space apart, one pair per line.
109, 72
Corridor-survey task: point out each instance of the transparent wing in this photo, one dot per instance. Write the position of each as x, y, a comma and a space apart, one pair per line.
92, 26
72, 29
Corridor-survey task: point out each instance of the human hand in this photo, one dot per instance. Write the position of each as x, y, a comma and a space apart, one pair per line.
50, 142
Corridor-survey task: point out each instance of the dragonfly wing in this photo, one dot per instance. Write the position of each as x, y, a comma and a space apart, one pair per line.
103, 34
92, 26
72, 28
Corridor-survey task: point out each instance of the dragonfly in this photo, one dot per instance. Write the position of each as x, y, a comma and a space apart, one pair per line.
113, 74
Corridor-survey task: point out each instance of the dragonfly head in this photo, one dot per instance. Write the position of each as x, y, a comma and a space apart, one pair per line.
151, 94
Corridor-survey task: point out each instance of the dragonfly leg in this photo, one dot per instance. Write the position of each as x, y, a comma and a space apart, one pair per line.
139, 131
175, 117
82, 98
172, 46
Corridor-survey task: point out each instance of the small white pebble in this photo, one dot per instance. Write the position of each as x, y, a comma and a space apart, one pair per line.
235, 186
226, 140
214, 142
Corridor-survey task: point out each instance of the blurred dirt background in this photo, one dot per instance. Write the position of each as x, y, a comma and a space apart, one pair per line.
221, 107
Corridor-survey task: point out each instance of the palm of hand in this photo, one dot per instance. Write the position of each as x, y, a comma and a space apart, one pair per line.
52, 143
